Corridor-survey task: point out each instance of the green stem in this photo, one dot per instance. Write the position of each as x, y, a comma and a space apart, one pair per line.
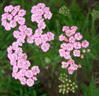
92, 29
47, 26
70, 19
22, 1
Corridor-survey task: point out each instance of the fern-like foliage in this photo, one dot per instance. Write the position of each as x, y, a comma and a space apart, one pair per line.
91, 90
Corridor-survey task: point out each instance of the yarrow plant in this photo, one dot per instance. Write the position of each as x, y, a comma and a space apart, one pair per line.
38, 11
64, 10
12, 16
21, 66
67, 84
71, 47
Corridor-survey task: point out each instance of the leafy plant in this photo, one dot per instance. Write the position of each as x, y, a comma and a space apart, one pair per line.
91, 90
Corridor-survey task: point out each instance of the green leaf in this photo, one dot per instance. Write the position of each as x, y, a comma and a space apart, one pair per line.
91, 90
21, 92
53, 69
34, 93
94, 57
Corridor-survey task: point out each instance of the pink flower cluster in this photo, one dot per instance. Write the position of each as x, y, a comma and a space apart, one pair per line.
12, 16
72, 44
39, 38
37, 12
21, 66
17, 58
72, 66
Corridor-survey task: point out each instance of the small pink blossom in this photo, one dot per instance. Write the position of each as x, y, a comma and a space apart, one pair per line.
64, 64
6, 9
61, 52
41, 5
8, 27
14, 12
34, 8
67, 55
21, 20
85, 43
21, 12
50, 36
74, 66
22, 28
35, 70
37, 41
28, 32
70, 70
30, 82
4, 16
33, 17
13, 23
23, 80
4, 22
22, 35
48, 15
41, 25
17, 75
34, 78
10, 7
69, 47
76, 53
68, 33
82, 56
16, 18
45, 47
44, 38
78, 36
23, 56
9, 17
71, 61
26, 64
15, 69
18, 51
63, 46
61, 37
39, 19
20, 63
46, 9
14, 57
9, 49
22, 72
74, 28
13, 62
38, 32
20, 41
88, 50
17, 8
14, 45
39, 12
29, 73
9, 55
30, 39
16, 34
65, 39
71, 39
77, 45
65, 28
